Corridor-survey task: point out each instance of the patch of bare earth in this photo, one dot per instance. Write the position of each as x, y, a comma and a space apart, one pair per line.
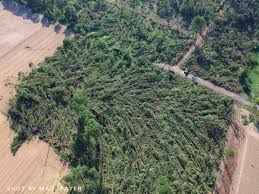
239, 174
22, 41
247, 173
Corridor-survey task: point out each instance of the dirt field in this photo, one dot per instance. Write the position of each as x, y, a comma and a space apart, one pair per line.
22, 40
27, 168
247, 172
239, 174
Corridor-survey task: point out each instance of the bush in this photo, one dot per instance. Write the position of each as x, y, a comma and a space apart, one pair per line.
229, 152
251, 118
162, 186
17, 142
256, 101
245, 120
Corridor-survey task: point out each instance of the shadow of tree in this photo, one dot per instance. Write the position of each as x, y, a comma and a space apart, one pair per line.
24, 12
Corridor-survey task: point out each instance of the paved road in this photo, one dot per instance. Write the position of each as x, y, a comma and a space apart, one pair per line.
205, 83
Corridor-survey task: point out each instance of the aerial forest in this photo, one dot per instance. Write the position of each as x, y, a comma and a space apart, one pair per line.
122, 124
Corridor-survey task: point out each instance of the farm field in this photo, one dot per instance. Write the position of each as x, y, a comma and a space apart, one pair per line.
34, 165
23, 41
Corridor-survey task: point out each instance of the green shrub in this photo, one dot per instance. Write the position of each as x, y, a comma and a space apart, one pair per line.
256, 101
162, 186
251, 118
245, 120
229, 152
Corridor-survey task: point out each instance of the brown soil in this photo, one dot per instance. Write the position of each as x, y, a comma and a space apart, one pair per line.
28, 168
23, 41
239, 175
192, 49
247, 172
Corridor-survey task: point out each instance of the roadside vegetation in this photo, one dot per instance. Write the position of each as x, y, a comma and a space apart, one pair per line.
252, 80
123, 125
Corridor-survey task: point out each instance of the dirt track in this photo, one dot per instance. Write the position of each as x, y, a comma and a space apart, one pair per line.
192, 49
247, 171
23, 41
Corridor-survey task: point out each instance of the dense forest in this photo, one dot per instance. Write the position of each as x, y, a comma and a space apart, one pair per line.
186, 9
182, 12
123, 125
229, 57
